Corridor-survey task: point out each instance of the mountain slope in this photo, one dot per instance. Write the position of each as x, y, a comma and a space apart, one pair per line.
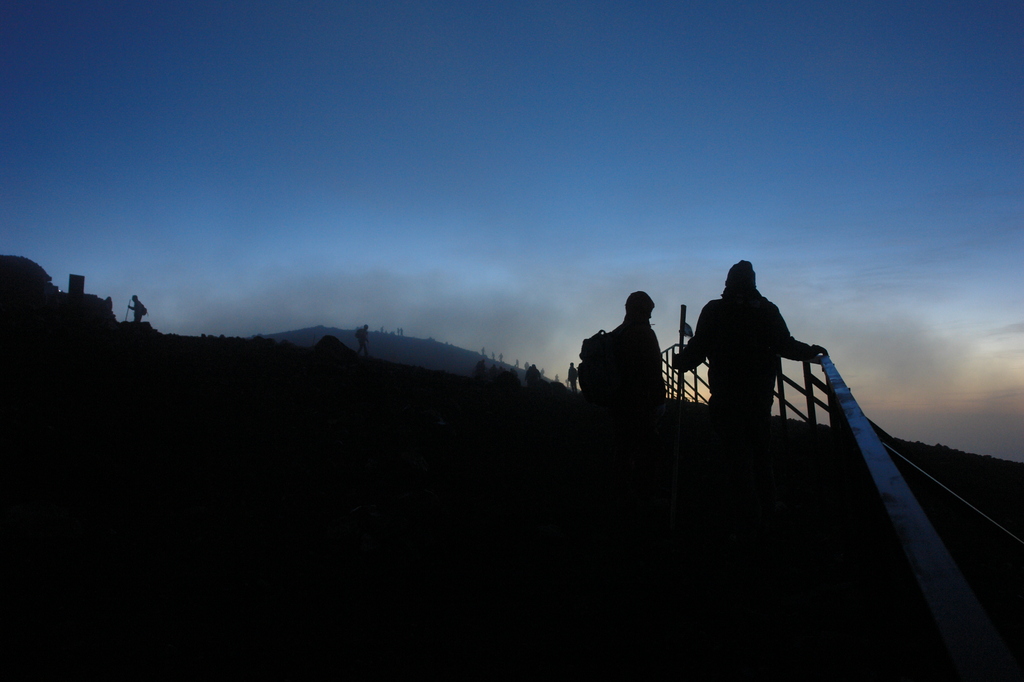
406, 350
197, 508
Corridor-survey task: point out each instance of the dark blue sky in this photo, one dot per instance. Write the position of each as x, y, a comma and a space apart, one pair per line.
504, 174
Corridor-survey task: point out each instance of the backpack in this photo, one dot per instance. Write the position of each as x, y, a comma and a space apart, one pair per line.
598, 373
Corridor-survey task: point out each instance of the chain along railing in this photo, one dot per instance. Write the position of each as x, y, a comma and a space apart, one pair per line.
975, 647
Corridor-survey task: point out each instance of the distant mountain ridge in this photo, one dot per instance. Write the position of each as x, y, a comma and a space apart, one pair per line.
406, 350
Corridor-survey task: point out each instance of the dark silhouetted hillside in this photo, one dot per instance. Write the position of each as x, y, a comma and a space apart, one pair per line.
212, 508
406, 350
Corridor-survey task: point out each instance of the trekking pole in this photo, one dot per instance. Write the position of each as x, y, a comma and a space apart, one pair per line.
126, 311
679, 426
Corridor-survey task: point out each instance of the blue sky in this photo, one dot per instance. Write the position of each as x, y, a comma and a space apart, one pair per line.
503, 175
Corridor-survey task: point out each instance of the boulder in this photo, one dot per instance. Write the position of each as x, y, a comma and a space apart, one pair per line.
330, 351
22, 283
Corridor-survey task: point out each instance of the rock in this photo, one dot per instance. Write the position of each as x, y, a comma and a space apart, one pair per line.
330, 351
22, 283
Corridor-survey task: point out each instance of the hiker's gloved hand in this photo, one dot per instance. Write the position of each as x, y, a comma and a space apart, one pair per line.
659, 411
818, 351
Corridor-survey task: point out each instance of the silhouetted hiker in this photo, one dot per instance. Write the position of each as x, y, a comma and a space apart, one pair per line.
363, 337
639, 399
572, 377
137, 307
532, 376
480, 371
741, 335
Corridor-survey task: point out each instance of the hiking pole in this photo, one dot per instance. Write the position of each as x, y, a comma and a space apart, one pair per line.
126, 311
679, 427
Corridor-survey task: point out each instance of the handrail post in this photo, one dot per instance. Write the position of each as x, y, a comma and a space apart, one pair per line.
809, 388
812, 418
679, 430
781, 383
812, 425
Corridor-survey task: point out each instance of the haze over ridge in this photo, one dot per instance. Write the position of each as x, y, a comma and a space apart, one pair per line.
505, 175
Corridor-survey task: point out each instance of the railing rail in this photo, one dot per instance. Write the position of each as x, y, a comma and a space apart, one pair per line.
974, 646
693, 387
685, 384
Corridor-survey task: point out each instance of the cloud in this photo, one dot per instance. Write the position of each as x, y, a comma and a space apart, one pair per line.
441, 305
901, 364
1010, 329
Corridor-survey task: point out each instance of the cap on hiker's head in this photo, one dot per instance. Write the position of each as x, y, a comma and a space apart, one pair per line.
741, 275
639, 303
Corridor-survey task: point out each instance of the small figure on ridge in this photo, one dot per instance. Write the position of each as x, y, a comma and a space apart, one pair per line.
363, 336
137, 307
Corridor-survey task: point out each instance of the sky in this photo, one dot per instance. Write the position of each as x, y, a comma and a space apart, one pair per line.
501, 175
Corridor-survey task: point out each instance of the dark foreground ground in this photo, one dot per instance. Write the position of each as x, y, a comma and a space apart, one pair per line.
199, 508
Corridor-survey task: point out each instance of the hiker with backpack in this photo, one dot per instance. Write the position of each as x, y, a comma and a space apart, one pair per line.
363, 337
621, 370
741, 335
137, 307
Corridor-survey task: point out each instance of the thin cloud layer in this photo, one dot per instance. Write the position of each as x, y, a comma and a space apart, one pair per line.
919, 379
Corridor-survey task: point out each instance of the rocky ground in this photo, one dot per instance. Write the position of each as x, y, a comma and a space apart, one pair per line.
194, 508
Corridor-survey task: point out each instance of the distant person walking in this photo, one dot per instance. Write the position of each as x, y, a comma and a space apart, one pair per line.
741, 335
572, 377
363, 337
136, 306
533, 377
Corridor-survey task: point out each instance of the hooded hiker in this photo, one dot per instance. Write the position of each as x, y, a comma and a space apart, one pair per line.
639, 400
741, 335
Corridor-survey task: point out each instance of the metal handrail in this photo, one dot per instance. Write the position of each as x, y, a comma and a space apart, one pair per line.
677, 384
689, 385
974, 645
